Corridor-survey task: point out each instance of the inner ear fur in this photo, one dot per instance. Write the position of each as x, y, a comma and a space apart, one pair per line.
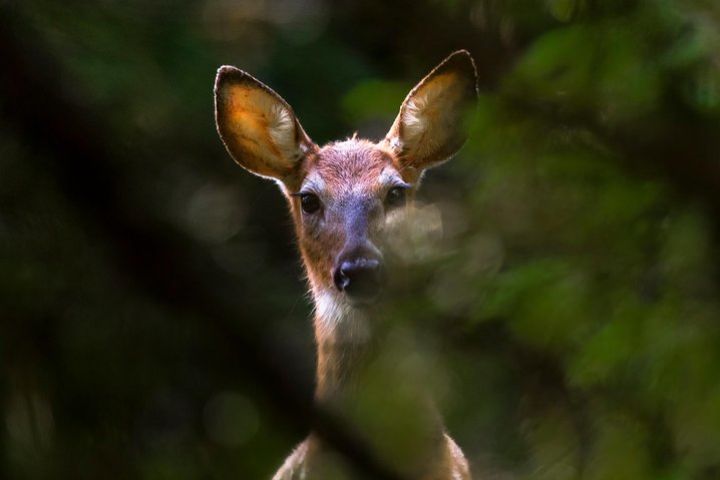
429, 128
259, 128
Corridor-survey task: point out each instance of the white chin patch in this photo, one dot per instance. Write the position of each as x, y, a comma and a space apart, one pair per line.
336, 318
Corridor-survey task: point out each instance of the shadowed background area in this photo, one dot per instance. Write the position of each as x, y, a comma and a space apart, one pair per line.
153, 316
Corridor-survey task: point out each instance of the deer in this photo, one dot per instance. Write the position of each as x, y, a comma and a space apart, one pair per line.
342, 197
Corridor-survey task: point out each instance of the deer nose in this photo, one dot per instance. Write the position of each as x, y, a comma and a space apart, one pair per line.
360, 278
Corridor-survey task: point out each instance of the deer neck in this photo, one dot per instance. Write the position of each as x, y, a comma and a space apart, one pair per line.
360, 355
344, 340
359, 371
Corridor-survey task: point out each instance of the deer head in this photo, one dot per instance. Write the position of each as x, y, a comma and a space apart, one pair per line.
342, 194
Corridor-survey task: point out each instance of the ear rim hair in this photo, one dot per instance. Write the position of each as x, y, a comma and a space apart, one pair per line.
460, 61
228, 76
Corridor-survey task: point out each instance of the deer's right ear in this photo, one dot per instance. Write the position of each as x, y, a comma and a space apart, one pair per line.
258, 128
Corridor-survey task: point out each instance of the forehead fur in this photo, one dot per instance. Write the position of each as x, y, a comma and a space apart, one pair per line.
351, 161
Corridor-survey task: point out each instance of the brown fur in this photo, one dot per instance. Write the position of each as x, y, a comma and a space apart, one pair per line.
451, 464
343, 166
352, 179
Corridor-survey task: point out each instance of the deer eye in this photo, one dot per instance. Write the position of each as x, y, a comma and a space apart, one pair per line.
395, 197
309, 202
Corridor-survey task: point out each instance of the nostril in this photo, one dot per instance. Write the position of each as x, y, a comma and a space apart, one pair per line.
341, 278
359, 277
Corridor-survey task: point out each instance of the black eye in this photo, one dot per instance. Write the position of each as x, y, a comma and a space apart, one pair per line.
395, 197
309, 202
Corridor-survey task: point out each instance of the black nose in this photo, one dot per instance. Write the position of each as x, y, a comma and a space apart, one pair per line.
359, 278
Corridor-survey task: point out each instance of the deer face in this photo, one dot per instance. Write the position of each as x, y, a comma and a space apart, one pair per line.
341, 208
343, 195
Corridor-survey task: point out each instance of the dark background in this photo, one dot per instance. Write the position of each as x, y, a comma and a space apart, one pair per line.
154, 322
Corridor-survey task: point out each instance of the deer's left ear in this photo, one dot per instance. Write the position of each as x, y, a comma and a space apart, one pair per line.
429, 128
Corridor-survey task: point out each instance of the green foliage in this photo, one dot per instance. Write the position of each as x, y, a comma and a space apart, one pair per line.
570, 311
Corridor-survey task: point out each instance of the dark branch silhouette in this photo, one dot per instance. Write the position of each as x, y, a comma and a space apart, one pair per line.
77, 147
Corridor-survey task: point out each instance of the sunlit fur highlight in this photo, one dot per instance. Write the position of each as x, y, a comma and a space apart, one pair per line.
351, 178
